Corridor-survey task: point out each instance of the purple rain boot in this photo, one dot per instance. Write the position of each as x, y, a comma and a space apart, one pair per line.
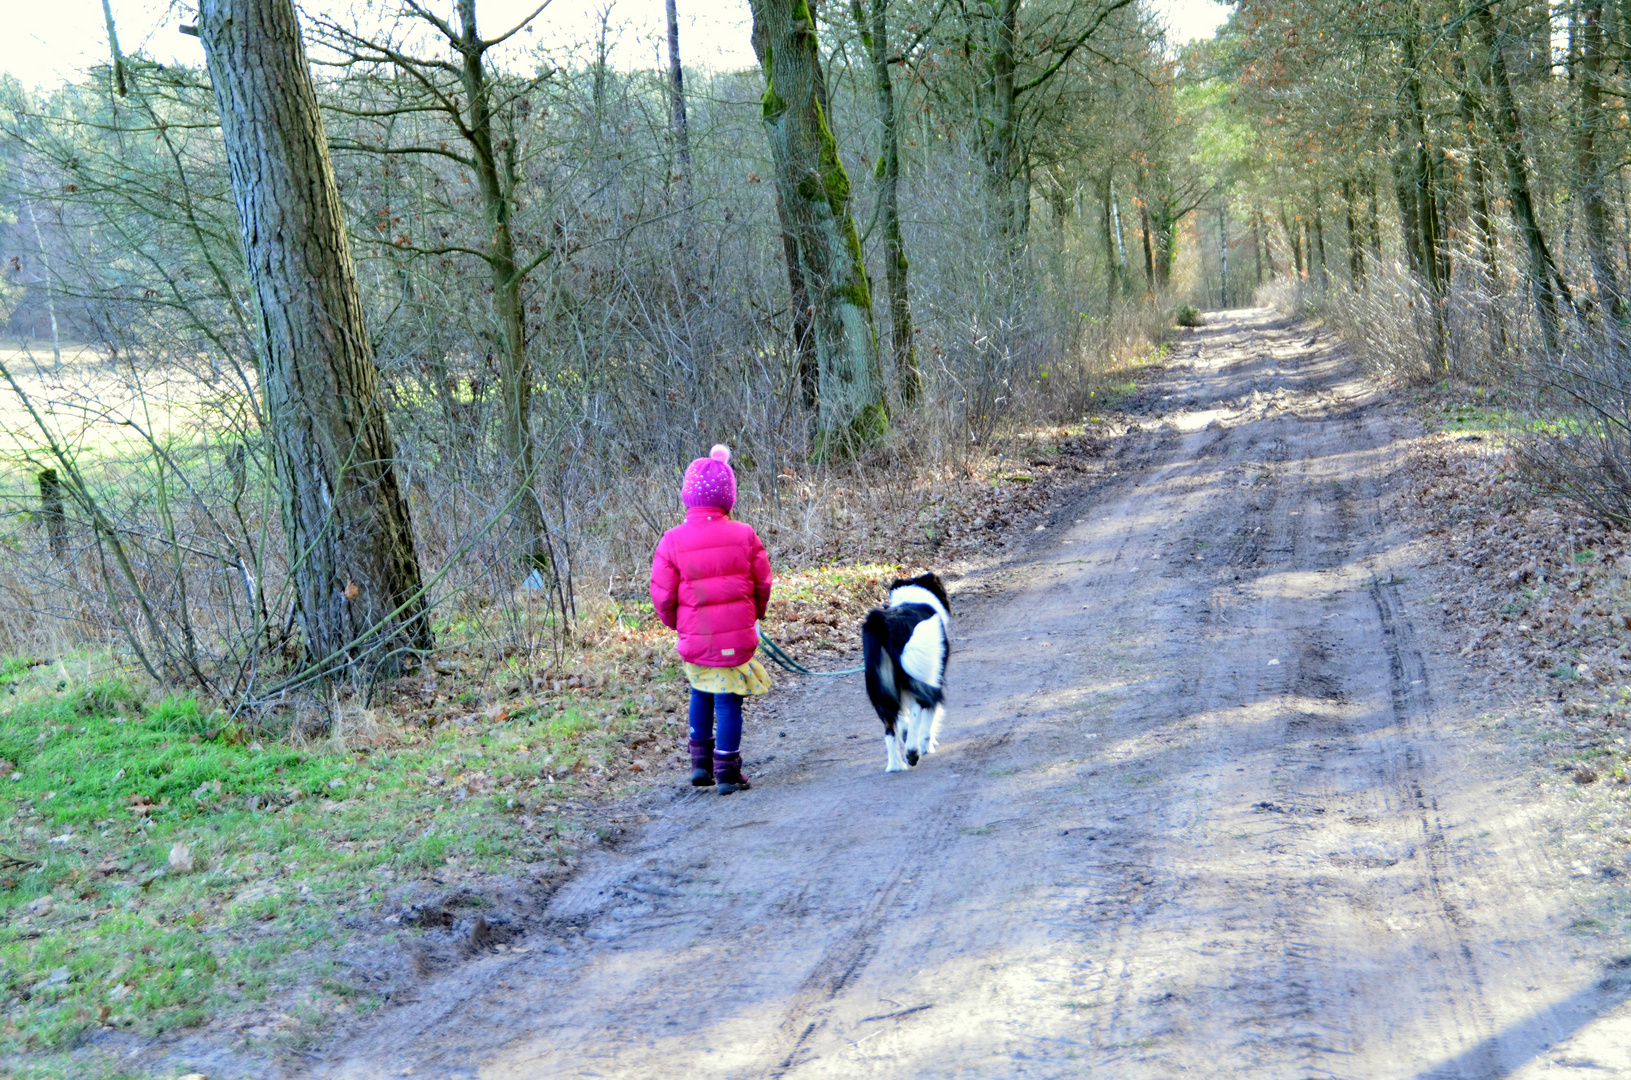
702, 763
728, 771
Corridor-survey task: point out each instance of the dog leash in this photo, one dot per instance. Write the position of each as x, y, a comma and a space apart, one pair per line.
787, 663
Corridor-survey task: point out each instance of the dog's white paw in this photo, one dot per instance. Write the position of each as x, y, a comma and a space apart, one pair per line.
897, 766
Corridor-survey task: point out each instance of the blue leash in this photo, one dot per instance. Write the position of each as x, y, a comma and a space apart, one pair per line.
787, 663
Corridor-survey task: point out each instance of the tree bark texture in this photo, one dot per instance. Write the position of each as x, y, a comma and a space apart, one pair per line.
1542, 271
815, 192
1356, 252
1591, 178
351, 548
999, 128
873, 28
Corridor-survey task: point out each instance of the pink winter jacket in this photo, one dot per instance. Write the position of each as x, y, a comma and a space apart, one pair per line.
710, 580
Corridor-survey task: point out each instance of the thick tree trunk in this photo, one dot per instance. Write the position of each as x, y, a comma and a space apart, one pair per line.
1000, 128
676, 96
352, 562
1593, 183
874, 32
816, 194
495, 180
802, 322
1542, 272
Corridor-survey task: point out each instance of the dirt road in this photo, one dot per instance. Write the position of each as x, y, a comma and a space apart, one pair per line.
1202, 806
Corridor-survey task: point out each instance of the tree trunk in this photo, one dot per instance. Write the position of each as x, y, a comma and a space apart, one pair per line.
1592, 181
1295, 238
803, 326
1409, 228
118, 71
1542, 272
676, 95
1166, 247
1000, 128
1149, 252
1356, 252
1375, 224
50, 291
1223, 251
351, 550
1423, 180
1319, 244
1121, 240
1107, 230
56, 522
1467, 111
495, 179
816, 194
1257, 246
875, 36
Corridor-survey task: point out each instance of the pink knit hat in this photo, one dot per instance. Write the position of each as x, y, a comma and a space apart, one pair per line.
709, 480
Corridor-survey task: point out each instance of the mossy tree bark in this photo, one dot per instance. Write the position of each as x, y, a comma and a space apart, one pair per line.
815, 193
873, 27
351, 548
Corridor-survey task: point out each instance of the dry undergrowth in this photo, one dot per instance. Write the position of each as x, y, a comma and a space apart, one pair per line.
1542, 594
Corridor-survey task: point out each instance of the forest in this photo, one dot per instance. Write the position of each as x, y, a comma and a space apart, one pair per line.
349, 371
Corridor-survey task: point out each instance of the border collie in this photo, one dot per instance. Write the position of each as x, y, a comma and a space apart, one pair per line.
906, 646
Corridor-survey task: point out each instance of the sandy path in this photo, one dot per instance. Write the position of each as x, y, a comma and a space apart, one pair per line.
1202, 807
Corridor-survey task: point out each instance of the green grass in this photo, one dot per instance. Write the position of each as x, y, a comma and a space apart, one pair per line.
290, 841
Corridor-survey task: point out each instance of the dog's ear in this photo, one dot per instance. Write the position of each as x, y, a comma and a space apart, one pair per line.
932, 583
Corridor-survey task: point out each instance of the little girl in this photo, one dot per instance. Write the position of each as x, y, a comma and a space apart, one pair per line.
710, 580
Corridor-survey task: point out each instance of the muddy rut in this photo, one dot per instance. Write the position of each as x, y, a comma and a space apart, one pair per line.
1204, 805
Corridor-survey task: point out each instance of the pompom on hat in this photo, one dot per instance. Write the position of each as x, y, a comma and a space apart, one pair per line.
709, 480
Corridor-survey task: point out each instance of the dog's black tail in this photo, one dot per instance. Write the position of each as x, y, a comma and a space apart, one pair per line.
882, 683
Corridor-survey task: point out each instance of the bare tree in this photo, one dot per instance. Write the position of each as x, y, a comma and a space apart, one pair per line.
352, 559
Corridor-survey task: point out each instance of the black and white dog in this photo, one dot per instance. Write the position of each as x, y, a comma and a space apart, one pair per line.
906, 646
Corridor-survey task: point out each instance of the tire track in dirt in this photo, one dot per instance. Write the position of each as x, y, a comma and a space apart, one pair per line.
1197, 810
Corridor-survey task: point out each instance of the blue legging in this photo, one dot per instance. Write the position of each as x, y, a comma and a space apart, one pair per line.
726, 709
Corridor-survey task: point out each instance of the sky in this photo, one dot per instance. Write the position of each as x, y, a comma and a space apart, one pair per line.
46, 44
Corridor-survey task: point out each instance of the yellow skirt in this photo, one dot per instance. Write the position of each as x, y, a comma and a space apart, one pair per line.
749, 680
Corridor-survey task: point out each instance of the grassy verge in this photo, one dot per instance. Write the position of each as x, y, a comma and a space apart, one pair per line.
164, 869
